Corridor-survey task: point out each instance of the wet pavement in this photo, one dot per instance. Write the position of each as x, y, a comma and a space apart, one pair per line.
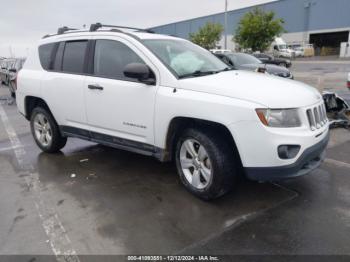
92, 199
115, 202
324, 75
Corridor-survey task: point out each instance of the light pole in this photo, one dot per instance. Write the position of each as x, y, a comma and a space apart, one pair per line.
225, 29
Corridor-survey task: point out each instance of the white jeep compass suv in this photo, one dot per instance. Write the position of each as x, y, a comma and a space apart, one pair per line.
166, 97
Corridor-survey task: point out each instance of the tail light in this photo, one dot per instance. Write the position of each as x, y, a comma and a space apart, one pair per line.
349, 81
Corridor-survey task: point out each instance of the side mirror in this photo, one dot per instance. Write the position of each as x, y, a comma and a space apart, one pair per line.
231, 64
261, 70
141, 72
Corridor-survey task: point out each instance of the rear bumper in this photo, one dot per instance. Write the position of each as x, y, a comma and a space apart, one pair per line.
308, 161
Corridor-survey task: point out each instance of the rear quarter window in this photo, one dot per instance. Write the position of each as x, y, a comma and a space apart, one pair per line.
45, 55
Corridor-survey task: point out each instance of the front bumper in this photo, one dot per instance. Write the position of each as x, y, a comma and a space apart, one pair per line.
311, 159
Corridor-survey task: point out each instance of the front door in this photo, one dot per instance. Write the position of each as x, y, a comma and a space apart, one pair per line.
118, 106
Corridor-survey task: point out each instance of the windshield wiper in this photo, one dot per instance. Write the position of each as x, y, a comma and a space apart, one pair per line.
198, 73
226, 69
205, 73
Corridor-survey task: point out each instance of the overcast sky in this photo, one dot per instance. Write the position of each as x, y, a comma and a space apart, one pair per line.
23, 22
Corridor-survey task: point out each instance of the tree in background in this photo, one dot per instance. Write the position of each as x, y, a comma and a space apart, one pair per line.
208, 35
258, 29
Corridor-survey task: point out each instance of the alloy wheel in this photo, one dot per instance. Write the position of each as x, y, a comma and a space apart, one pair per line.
42, 130
195, 164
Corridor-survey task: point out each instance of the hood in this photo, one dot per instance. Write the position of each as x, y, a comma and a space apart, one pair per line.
266, 90
276, 69
281, 60
272, 69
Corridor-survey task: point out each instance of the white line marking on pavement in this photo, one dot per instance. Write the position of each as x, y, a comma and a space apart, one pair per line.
58, 238
337, 163
4, 149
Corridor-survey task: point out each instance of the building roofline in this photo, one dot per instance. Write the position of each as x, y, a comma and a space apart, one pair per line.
221, 13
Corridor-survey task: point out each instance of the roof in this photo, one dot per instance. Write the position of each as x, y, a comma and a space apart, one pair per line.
76, 33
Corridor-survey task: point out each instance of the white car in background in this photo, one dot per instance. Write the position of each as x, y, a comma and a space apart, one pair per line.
299, 51
165, 97
220, 51
279, 48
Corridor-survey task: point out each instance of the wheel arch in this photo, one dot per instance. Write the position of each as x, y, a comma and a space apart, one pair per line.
31, 102
178, 124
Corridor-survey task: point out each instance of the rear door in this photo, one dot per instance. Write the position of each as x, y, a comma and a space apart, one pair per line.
63, 85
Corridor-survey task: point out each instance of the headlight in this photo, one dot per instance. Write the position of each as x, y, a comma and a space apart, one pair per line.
279, 117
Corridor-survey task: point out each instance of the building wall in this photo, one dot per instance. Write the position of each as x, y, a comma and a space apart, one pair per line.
300, 16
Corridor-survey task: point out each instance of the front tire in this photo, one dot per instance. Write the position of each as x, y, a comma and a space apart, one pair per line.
45, 131
206, 163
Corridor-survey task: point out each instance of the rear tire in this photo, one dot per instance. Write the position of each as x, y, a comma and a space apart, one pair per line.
45, 131
207, 164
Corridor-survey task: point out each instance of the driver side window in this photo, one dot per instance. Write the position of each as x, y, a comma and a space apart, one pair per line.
227, 61
111, 57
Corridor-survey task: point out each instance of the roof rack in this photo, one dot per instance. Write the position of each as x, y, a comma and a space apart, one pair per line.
95, 27
64, 29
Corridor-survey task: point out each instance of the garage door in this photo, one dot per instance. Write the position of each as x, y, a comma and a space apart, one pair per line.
328, 43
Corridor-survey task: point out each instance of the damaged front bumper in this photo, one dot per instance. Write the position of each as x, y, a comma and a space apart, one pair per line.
338, 110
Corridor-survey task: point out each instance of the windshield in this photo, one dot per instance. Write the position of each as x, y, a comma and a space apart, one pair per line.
244, 59
282, 47
184, 58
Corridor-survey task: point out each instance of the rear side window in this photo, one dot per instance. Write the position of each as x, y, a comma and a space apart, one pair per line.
45, 55
74, 56
111, 57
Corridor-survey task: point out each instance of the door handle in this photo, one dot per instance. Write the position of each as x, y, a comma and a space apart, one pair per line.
95, 87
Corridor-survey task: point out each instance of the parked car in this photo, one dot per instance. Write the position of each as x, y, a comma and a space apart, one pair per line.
279, 48
166, 97
299, 51
5, 73
220, 51
248, 62
3, 70
268, 59
13, 72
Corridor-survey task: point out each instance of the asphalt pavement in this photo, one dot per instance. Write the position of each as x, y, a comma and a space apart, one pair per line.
95, 200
